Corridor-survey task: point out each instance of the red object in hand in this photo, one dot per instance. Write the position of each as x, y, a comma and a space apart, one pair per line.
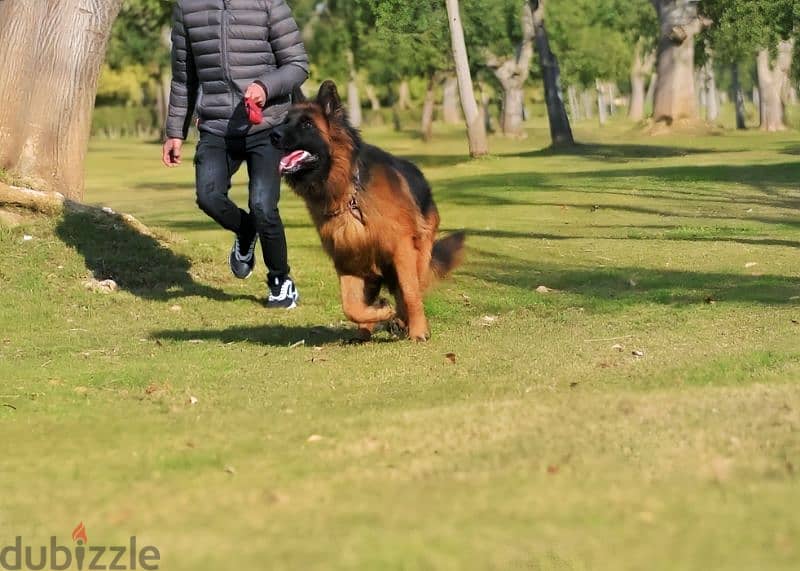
254, 112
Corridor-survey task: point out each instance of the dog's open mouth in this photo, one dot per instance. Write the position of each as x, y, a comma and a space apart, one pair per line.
295, 161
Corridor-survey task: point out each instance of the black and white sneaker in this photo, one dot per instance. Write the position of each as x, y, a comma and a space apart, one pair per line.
242, 258
282, 294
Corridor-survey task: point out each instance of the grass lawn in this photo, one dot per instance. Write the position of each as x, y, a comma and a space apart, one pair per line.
644, 415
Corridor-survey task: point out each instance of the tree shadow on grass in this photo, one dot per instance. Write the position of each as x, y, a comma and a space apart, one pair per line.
613, 152
608, 287
140, 264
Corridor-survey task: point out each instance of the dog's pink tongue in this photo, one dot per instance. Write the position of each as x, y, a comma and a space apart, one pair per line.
292, 160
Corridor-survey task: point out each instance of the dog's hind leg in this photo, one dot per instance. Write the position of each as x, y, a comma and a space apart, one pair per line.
354, 304
405, 263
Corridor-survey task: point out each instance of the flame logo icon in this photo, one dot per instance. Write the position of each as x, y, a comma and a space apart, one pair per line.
79, 533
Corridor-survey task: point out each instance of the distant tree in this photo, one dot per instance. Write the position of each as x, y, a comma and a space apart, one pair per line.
50, 57
762, 29
500, 36
675, 96
560, 129
338, 44
476, 129
413, 36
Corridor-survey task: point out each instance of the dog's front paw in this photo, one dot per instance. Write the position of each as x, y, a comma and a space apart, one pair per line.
385, 310
419, 334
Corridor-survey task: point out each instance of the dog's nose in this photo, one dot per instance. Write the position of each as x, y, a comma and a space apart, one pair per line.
275, 137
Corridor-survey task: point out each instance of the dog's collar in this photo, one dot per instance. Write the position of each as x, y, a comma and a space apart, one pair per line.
352, 204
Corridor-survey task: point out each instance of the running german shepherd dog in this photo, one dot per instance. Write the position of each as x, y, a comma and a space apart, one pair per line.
374, 213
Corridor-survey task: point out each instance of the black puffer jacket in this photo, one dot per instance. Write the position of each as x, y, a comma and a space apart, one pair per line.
219, 48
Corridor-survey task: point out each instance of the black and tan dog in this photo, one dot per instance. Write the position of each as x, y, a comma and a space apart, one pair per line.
374, 213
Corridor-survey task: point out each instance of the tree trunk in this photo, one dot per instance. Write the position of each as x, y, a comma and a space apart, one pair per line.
560, 130
712, 97
51, 52
574, 106
353, 99
641, 67
476, 130
675, 95
374, 102
450, 112
428, 109
587, 102
485, 108
512, 73
602, 109
773, 79
739, 95
404, 96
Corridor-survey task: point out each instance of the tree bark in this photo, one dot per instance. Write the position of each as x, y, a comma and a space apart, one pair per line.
476, 130
773, 80
602, 105
712, 96
404, 96
428, 109
512, 73
450, 112
739, 96
641, 67
574, 106
560, 130
374, 102
353, 98
675, 94
51, 52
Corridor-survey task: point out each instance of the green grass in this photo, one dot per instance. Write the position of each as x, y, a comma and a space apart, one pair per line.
547, 444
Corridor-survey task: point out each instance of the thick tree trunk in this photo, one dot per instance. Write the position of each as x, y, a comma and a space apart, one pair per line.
773, 79
739, 97
476, 130
427, 110
560, 130
602, 105
353, 98
587, 102
486, 114
574, 106
450, 112
404, 96
374, 102
675, 95
712, 96
51, 52
512, 73
642, 66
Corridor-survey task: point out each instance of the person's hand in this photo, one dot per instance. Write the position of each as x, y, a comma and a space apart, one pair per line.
257, 93
172, 152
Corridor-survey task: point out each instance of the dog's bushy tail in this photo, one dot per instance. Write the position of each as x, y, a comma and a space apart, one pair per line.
447, 255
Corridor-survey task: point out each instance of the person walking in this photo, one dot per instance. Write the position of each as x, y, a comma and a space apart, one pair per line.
235, 64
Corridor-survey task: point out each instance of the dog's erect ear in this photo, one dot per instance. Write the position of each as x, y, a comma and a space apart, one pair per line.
328, 98
298, 96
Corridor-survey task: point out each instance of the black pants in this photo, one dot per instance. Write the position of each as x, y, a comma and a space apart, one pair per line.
217, 159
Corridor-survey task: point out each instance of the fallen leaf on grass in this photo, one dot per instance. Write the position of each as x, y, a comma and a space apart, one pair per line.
638, 353
193, 400
451, 357
175, 308
230, 470
81, 390
488, 320
544, 289
314, 438
710, 300
552, 469
618, 347
751, 265
298, 344
104, 286
796, 321
27, 238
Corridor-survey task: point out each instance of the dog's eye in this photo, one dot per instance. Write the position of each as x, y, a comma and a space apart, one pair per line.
307, 124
